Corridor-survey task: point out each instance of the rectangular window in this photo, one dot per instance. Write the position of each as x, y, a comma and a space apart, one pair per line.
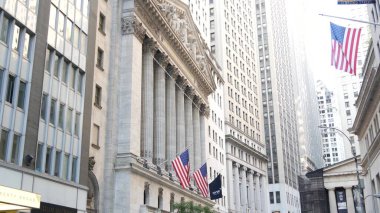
65, 165
83, 43
53, 16
212, 36
47, 60
98, 96
76, 36
74, 169
40, 151
64, 72
56, 65
3, 143
57, 162
77, 119
15, 149
212, 24
21, 95
278, 197
348, 112
4, 30
99, 58
27, 42
44, 106
69, 30
80, 82
72, 77
16, 38
10, 88
95, 135
271, 198
52, 111
102, 22
69, 118
61, 23
1, 81
61, 114
48, 160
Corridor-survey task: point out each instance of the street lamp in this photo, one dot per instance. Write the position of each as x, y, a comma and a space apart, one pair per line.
374, 195
355, 157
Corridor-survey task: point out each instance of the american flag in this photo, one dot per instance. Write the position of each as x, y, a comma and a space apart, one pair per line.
344, 47
182, 168
200, 177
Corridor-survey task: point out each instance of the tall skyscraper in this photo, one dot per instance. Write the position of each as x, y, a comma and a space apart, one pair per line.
280, 120
232, 41
43, 53
332, 141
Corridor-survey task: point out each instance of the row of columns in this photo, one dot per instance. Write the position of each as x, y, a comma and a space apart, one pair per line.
172, 115
349, 200
249, 189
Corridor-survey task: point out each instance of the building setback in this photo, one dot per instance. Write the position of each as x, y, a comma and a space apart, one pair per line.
43, 53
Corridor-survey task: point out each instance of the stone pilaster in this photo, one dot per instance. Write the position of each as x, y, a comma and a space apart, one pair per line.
257, 190
159, 131
189, 124
171, 126
180, 112
203, 134
350, 200
332, 201
197, 137
264, 193
149, 48
230, 184
244, 203
251, 192
237, 187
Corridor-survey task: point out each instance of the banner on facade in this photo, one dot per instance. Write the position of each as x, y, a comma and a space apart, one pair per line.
341, 200
356, 2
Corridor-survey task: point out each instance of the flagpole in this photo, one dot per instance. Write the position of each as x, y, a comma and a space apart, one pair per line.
175, 155
350, 19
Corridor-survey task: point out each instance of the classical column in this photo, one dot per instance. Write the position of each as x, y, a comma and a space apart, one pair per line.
237, 188
332, 201
149, 48
264, 194
257, 190
244, 203
251, 192
197, 137
180, 111
350, 200
159, 131
204, 112
189, 124
171, 127
230, 184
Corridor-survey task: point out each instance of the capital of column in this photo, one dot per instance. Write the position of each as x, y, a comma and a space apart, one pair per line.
331, 189
162, 59
235, 164
257, 174
190, 92
197, 101
181, 82
205, 110
173, 71
347, 187
149, 45
130, 25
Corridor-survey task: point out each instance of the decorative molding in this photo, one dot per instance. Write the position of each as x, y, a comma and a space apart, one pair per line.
162, 59
205, 110
130, 25
190, 92
182, 82
173, 71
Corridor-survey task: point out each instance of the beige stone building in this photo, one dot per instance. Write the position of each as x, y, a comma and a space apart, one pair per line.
160, 76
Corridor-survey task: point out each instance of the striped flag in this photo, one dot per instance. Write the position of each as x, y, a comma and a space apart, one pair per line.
200, 177
344, 47
181, 167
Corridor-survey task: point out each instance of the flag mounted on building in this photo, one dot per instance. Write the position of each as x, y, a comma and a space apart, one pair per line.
181, 167
216, 188
200, 177
344, 47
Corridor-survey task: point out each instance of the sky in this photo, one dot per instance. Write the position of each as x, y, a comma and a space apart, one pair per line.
318, 36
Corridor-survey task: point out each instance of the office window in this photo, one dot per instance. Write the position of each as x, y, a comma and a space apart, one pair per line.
102, 23
40, 151
69, 118
72, 77
212, 24
278, 197
56, 65
52, 111
76, 36
61, 114
1, 81
69, 30
53, 16
271, 197
77, 122
10, 89
65, 67
4, 33
211, 11
99, 58
16, 38
65, 165
213, 49
98, 96
74, 168
57, 165
95, 135
47, 60
348, 112
61, 23
80, 82
27, 42
21, 95
3, 143
48, 159
15, 149
43, 106
347, 104
212, 36
83, 43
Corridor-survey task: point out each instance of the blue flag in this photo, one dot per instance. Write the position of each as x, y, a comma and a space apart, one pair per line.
215, 188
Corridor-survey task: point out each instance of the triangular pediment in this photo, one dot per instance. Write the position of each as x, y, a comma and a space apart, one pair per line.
344, 167
178, 16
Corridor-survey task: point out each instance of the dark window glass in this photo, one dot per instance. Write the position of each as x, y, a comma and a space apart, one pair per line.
21, 95
10, 88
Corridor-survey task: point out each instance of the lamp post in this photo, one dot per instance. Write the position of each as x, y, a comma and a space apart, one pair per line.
356, 161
